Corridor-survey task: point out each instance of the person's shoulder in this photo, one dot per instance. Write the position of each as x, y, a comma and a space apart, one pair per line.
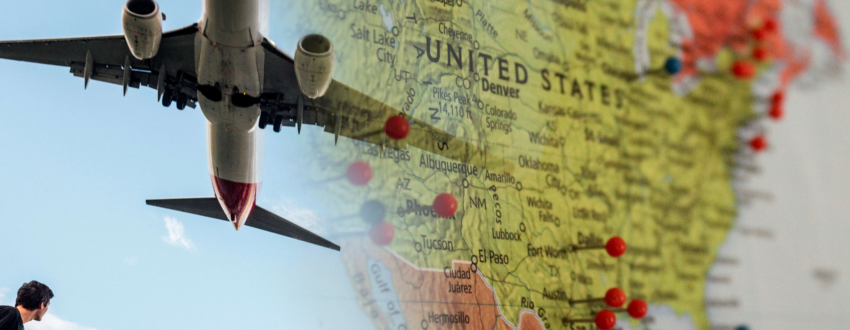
10, 318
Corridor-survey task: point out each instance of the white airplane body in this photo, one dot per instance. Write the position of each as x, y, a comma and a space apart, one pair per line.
229, 33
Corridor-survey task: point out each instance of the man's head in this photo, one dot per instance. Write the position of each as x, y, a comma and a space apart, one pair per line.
34, 296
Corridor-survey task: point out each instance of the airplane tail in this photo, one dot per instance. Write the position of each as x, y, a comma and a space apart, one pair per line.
260, 218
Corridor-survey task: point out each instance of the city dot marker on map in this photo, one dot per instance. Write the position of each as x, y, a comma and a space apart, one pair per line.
614, 297
397, 127
359, 173
445, 205
743, 69
673, 65
637, 308
758, 143
604, 320
382, 233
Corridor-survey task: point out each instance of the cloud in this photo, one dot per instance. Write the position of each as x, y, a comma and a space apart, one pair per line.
303, 217
131, 261
176, 235
52, 322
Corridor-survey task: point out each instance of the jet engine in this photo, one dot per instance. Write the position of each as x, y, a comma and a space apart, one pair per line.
314, 65
142, 27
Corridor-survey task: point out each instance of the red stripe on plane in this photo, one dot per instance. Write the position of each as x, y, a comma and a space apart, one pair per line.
237, 199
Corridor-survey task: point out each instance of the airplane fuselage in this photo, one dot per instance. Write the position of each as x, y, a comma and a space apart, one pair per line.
228, 54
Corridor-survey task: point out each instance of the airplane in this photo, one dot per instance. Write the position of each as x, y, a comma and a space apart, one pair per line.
242, 83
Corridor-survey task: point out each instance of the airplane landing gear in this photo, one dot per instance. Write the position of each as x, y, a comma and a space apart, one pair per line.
167, 96
264, 119
181, 101
277, 121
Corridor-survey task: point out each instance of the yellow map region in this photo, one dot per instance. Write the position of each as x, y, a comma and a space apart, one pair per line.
580, 149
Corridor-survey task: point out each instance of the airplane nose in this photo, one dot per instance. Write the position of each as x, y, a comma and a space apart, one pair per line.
237, 199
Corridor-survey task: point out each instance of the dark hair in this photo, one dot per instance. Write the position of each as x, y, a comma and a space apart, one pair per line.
32, 294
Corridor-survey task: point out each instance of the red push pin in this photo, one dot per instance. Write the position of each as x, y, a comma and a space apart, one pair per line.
445, 205
758, 143
637, 309
759, 34
615, 297
397, 127
615, 247
770, 25
776, 112
382, 233
761, 54
778, 97
743, 69
776, 108
604, 320
359, 173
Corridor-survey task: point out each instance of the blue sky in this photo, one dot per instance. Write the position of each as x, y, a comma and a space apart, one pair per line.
76, 166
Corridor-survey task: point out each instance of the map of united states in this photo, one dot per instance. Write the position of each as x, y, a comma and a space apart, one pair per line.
587, 137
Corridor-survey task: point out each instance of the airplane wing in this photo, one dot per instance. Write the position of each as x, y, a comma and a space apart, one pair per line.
347, 112
343, 110
260, 218
108, 59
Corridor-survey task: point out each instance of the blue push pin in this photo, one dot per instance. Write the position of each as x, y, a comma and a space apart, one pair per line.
742, 327
673, 66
